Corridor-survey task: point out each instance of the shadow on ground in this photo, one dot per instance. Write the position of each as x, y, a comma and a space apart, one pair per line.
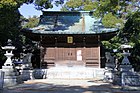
47, 87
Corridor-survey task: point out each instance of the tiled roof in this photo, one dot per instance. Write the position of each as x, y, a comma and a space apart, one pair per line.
70, 23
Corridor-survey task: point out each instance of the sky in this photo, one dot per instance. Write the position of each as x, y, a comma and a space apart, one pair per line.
28, 10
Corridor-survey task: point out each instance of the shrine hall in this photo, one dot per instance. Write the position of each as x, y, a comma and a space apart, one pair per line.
70, 39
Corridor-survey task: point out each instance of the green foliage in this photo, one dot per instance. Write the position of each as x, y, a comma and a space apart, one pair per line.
109, 20
118, 10
89, 5
106, 44
43, 4
114, 43
131, 31
132, 25
73, 5
9, 24
32, 22
10, 3
78, 5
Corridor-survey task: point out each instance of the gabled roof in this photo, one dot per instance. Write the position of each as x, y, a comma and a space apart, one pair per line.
58, 22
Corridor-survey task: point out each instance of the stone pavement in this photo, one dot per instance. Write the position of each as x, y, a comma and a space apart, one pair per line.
64, 86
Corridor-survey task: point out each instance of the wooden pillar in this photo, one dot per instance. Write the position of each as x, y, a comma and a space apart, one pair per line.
84, 44
55, 41
55, 49
99, 51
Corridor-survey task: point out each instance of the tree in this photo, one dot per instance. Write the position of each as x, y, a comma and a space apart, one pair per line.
132, 32
10, 22
116, 9
10, 16
110, 21
77, 5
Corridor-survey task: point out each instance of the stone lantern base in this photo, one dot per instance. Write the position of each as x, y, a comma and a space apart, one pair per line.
128, 67
128, 78
11, 76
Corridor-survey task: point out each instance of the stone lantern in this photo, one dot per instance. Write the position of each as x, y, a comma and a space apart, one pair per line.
129, 78
125, 64
8, 48
10, 76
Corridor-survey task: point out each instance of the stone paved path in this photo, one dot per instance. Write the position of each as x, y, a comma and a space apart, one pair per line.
65, 86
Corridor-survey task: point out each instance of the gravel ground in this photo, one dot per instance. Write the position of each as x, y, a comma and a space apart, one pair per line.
65, 86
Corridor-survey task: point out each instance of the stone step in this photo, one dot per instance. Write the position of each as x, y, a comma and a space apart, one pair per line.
73, 73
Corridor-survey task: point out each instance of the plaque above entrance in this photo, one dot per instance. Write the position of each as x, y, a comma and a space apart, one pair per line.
69, 39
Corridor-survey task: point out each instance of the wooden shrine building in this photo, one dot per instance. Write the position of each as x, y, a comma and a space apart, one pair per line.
70, 39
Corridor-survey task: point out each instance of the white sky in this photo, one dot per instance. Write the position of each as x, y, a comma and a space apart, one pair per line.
28, 10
